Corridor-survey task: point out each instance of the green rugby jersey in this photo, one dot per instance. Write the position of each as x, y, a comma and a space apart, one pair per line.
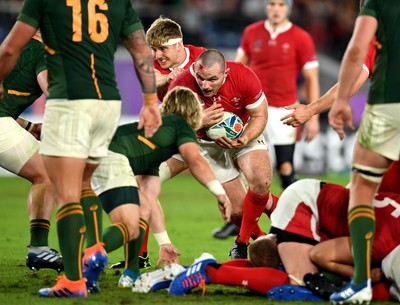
81, 37
385, 83
21, 88
146, 155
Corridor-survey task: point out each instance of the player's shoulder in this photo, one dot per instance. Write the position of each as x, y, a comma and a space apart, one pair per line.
299, 31
238, 69
255, 26
236, 65
195, 49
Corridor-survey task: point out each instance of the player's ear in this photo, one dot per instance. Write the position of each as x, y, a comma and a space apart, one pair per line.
227, 71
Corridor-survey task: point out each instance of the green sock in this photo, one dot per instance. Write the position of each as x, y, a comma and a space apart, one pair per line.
132, 248
93, 212
362, 229
71, 233
115, 236
39, 229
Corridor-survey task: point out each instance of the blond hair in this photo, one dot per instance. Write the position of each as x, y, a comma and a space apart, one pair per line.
185, 103
161, 30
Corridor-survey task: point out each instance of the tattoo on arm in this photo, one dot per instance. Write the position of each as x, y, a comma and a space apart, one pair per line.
140, 52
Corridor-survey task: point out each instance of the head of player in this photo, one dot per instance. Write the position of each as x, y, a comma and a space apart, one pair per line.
278, 12
210, 71
264, 252
166, 41
185, 103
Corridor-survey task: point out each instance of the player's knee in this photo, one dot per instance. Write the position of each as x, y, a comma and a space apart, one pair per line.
371, 174
315, 255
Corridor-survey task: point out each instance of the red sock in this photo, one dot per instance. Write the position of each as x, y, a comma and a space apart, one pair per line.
257, 233
253, 207
269, 209
143, 249
260, 279
380, 292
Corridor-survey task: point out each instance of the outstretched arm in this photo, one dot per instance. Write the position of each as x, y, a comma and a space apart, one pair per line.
302, 113
311, 82
149, 187
202, 171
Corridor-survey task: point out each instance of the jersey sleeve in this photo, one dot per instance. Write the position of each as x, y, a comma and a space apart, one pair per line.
31, 13
251, 87
369, 8
131, 23
307, 56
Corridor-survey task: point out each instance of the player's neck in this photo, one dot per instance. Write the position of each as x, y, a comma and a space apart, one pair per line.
278, 25
182, 59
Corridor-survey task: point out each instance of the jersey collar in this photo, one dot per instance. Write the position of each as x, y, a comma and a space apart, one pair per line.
278, 31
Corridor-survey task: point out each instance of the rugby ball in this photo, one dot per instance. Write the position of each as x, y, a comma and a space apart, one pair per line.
231, 127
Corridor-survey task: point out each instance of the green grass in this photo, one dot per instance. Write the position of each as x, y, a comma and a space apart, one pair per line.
191, 214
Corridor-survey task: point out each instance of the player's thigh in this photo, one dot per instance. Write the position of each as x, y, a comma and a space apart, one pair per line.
295, 259
255, 163
17, 146
221, 163
379, 132
79, 128
114, 171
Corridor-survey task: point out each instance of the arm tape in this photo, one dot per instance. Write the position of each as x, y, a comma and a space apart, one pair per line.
215, 187
162, 238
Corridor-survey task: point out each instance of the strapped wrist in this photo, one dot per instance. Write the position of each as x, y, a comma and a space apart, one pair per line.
215, 187
28, 125
150, 99
162, 238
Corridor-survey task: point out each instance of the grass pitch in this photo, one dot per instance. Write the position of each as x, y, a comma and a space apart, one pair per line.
191, 214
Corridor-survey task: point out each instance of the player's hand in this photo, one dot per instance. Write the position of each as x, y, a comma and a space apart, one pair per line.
225, 207
174, 73
168, 255
225, 142
339, 116
299, 116
37, 130
150, 119
212, 115
311, 128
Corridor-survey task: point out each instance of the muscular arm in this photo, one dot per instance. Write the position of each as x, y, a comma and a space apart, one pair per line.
241, 57
203, 173
311, 83
136, 44
340, 113
256, 124
149, 187
12, 47
150, 117
161, 81
302, 113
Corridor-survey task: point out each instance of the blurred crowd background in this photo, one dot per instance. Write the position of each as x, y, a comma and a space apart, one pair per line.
219, 24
